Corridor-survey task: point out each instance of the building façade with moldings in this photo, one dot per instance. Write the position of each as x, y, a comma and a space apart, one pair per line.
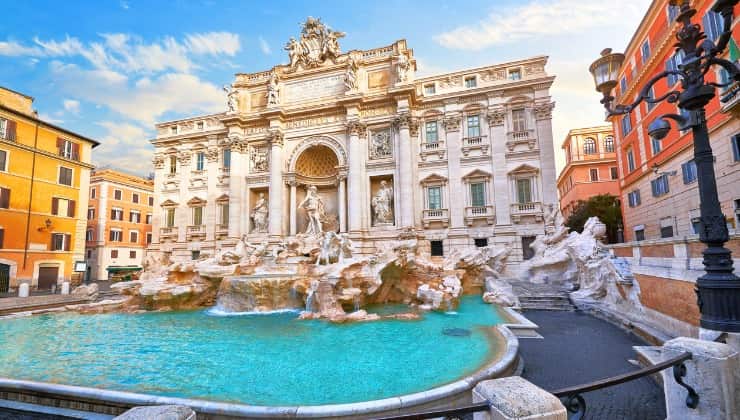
466, 157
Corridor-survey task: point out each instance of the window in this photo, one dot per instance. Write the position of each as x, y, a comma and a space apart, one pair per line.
666, 227
688, 170
429, 89
630, 160
68, 149
226, 158
474, 126
645, 50
609, 143
660, 185
173, 130
90, 235
7, 129
197, 216
2, 237
518, 120
132, 254
89, 253
60, 241
633, 198
431, 131
524, 190
626, 125
194, 255
224, 214
515, 74
173, 165
133, 237
114, 253
593, 174
470, 82
673, 11
434, 198
736, 147
148, 238
613, 172
199, 125
90, 213
169, 217
437, 248
480, 242
589, 146
640, 233
527, 251
92, 192
3, 161
116, 214
200, 161
4, 198
149, 219
695, 219
118, 195
116, 235
135, 198
712, 25
62, 207
478, 194
65, 176
134, 216
655, 144
651, 95
151, 201
672, 64
623, 85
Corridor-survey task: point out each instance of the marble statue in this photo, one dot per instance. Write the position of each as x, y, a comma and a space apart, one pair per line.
315, 212
231, 100
327, 248
273, 90
293, 52
403, 67
382, 205
350, 75
552, 215
260, 214
317, 44
259, 161
345, 247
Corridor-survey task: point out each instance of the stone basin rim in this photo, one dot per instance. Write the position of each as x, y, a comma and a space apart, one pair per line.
507, 358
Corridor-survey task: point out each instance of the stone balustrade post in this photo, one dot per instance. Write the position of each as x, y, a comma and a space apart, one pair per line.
515, 398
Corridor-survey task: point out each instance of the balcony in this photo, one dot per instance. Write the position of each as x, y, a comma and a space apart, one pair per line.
473, 213
474, 143
730, 100
514, 138
430, 216
194, 231
520, 210
168, 233
222, 230
436, 148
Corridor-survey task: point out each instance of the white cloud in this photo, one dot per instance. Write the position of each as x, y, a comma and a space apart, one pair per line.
71, 105
213, 43
264, 46
48, 118
537, 19
14, 49
125, 5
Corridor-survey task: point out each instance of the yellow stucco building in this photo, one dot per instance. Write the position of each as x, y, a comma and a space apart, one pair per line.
44, 184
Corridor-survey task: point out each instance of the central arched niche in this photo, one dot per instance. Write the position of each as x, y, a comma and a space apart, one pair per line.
318, 165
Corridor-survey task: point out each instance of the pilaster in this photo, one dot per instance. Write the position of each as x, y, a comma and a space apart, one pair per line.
453, 140
501, 188
275, 137
548, 174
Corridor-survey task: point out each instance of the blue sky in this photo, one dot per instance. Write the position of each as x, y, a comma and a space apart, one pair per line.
111, 69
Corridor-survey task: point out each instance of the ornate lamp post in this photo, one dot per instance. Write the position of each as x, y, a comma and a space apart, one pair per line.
718, 290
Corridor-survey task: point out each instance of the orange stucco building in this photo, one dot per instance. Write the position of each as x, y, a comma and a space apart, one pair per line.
119, 222
44, 178
590, 166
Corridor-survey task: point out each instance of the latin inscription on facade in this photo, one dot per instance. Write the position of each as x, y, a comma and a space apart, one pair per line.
315, 88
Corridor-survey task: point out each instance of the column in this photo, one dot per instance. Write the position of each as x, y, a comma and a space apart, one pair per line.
213, 171
456, 204
548, 175
342, 204
405, 172
276, 184
293, 208
356, 133
501, 200
183, 212
238, 224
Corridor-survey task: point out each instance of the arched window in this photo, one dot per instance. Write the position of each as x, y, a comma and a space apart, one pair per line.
609, 143
589, 146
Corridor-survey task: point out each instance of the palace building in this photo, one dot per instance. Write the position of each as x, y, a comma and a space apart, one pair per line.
460, 159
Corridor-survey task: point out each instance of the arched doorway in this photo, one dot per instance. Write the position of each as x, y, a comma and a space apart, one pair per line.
317, 165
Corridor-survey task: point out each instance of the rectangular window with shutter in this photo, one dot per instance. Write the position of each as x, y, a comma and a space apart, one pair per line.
135, 198
434, 198
200, 161
60, 241
92, 192
524, 190
614, 173
2, 237
518, 120
431, 131
4, 198
3, 161
148, 238
173, 165
227, 158
65, 176
478, 194
117, 195
116, 235
225, 214
197, 216
473, 126
133, 237
148, 219
169, 217
90, 213
688, 170
712, 25
132, 254
7, 129
114, 253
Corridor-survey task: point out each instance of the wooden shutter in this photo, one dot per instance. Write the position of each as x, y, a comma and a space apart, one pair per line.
75, 151
71, 208
110, 236
55, 206
52, 242
60, 146
2, 237
4, 198
10, 128
67, 240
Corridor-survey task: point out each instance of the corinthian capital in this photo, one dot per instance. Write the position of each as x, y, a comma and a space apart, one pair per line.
402, 120
275, 137
496, 117
356, 127
543, 111
451, 122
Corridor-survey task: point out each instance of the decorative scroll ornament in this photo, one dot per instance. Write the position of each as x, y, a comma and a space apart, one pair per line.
496, 117
318, 43
451, 122
158, 161
414, 127
212, 155
184, 158
543, 111
275, 137
402, 120
356, 128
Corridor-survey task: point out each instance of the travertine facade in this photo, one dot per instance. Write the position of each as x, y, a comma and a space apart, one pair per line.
456, 159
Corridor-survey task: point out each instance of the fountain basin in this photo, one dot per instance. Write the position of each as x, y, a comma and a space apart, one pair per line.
256, 365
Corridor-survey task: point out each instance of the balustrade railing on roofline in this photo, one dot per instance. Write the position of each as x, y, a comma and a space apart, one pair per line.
572, 396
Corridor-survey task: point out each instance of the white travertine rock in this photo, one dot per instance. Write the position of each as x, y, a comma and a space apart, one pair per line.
65, 288
513, 398
88, 290
159, 412
500, 292
23, 290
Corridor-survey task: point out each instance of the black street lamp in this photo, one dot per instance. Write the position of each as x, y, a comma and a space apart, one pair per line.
718, 290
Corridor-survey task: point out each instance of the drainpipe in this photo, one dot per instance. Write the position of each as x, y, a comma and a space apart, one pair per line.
30, 194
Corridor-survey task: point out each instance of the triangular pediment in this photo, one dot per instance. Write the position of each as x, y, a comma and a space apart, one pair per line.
196, 201
169, 203
524, 169
433, 178
477, 173
223, 198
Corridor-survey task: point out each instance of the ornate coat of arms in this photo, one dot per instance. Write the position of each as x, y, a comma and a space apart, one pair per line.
317, 44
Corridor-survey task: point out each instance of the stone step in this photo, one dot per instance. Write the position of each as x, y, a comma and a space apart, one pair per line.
548, 307
544, 298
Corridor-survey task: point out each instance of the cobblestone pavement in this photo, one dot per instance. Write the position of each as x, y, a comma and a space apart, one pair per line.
577, 349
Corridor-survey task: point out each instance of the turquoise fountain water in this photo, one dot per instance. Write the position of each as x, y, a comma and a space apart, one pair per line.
270, 359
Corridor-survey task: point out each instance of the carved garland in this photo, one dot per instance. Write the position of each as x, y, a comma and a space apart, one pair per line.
543, 111
451, 122
496, 117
